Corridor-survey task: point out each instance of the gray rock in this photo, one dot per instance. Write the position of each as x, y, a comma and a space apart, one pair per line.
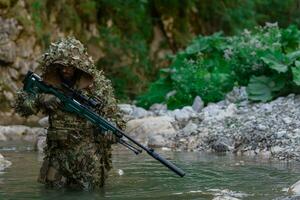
170, 94
3, 137
139, 112
4, 163
287, 120
216, 112
295, 197
158, 107
238, 94
44, 122
8, 52
181, 115
222, 145
20, 132
189, 128
8, 96
153, 131
294, 189
40, 143
198, 104
281, 134
126, 109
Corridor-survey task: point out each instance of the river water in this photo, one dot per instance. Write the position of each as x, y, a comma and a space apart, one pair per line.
209, 176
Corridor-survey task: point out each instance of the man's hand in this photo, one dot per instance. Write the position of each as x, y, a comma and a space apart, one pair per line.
51, 102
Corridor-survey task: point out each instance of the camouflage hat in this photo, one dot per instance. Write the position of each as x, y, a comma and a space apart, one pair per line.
67, 52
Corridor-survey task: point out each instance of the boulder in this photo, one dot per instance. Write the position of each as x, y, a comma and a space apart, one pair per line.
40, 143
152, 131
4, 163
20, 132
198, 104
3, 137
44, 122
158, 107
217, 112
222, 145
139, 112
238, 94
294, 189
126, 109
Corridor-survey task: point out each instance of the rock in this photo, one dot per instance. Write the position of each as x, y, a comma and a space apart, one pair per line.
224, 197
276, 149
181, 115
8, 52
152, 131
296, 197
287, 120
13, 73
126, 109
281, 134
222, 145
8, 96
4, 163
139, 112
2, 137
238, 94
9, 29
20, 132
294, 189
214, 111
158, 107
189, 128
198, 104
44, 122
268, 108
170, 94
41, 143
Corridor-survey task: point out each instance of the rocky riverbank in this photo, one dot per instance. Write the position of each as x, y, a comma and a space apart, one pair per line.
234, 125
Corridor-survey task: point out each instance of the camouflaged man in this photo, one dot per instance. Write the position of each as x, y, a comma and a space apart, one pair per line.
76, 154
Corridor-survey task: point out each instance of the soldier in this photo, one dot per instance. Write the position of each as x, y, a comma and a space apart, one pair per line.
76, 154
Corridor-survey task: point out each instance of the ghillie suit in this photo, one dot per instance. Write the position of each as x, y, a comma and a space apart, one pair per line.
75, 155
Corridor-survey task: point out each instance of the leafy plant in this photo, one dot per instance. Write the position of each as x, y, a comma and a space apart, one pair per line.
265, 60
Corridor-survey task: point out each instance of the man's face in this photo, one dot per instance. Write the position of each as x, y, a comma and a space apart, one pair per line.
68, 72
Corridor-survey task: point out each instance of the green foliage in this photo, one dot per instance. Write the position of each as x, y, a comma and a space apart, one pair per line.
125, 29
264, 88
265, 60
124, 34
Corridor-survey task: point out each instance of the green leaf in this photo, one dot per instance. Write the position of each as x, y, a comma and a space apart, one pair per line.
262, 88
293, 55
296, 73
196, 47
277, 61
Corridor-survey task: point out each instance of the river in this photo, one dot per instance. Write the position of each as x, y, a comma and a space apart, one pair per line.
208, 176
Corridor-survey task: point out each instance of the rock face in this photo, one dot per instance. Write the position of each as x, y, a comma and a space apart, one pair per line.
4, 163
18, 53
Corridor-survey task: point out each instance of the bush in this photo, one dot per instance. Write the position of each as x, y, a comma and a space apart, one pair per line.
264, 60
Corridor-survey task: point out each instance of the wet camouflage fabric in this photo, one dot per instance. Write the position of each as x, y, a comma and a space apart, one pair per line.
76, 154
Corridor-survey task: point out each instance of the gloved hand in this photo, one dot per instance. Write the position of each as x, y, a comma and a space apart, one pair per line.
51, 102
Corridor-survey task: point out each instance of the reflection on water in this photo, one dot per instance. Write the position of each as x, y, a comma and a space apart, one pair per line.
208, 176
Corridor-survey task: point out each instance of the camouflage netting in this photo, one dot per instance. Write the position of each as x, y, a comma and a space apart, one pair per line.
77, 154
67, 52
